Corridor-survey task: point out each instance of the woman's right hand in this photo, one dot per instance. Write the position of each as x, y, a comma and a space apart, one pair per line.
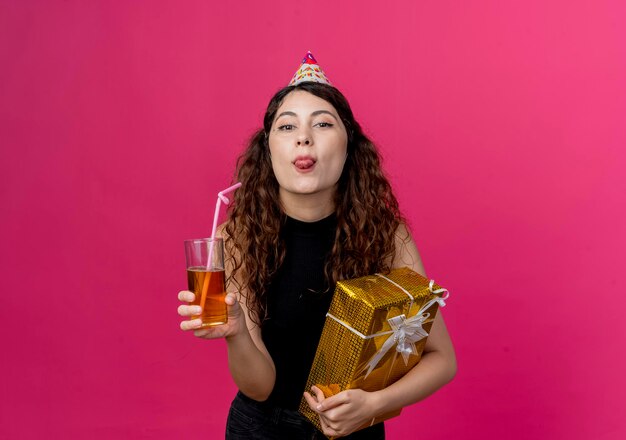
236, 321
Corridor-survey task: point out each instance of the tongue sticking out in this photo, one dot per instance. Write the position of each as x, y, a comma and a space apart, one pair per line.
303, 164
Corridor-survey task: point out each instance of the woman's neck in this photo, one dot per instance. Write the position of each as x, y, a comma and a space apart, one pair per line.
307, 207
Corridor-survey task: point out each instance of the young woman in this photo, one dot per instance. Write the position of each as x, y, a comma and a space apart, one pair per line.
314, 208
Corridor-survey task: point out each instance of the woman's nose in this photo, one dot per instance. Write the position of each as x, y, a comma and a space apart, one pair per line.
304, 138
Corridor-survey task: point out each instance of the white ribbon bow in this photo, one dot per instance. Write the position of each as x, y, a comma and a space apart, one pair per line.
406, 332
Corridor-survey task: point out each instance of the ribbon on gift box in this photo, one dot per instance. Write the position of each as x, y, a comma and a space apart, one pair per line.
406, 332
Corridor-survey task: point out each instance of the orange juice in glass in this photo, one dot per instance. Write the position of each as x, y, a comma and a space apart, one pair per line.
206, 279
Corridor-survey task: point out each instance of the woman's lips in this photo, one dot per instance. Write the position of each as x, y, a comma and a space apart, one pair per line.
304, 164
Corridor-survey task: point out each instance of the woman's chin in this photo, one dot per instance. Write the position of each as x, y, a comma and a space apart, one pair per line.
308, 190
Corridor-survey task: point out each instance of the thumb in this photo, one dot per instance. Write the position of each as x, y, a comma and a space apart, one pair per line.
334, 401
234, 309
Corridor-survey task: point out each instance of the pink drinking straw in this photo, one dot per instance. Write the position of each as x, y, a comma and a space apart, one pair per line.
220, 198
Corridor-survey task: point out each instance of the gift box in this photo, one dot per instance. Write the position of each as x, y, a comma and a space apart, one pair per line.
375, 332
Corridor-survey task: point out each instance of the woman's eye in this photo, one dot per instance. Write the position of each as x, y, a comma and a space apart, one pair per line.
324, 124
286, 127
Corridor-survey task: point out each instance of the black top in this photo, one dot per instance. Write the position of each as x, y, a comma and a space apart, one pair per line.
298, 299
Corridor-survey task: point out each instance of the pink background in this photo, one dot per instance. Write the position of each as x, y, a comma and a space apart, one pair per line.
502, 125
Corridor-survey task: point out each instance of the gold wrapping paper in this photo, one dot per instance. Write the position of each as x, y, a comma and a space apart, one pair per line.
365, 304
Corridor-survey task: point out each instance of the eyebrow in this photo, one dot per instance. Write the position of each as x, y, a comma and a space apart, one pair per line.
315, 113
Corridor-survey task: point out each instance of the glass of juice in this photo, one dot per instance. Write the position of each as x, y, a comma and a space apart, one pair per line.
205, 278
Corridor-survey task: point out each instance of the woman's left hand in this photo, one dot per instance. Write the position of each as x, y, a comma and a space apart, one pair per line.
344, 412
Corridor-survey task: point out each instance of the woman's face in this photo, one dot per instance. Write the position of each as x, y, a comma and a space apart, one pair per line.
308, 144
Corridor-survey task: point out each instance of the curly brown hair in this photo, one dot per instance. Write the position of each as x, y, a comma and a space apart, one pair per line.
365, 207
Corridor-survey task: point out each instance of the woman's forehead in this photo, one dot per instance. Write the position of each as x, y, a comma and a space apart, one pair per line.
300, 101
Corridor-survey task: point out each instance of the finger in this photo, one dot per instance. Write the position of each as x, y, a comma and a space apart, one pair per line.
189, 310
234, 309
319, 394
334, 401
186, 295
324, 424
231, 299
211, 332
326, 428
191, 324
313, 396
331, 421
311, 401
